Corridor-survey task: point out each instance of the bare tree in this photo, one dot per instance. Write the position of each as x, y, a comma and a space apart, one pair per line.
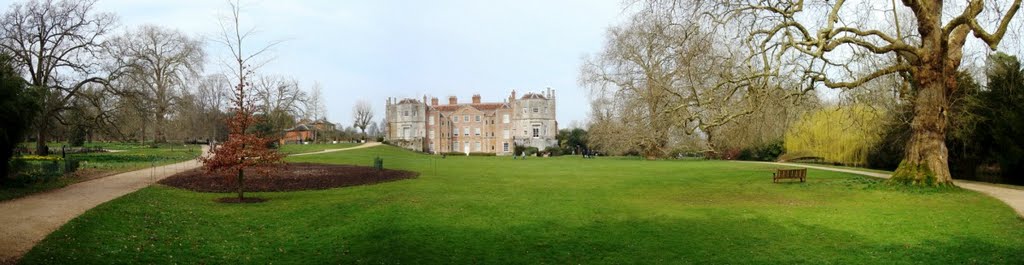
833, 38
666, 74
56, 43
279, 99
212, 93
314, 103
362, 115
161, 61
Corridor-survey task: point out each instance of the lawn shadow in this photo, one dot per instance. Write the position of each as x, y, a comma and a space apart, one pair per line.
711, 240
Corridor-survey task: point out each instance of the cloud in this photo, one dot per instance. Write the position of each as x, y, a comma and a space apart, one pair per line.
371, 50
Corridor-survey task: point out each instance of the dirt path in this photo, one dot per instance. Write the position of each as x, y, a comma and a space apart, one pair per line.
366, 145
26, 221
1012, 197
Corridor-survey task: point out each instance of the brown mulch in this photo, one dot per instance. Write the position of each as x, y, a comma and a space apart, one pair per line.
288, 177
243, 200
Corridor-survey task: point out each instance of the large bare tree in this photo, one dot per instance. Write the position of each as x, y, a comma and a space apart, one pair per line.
160, 61
280, 99
56, 43
834, 38
665, 75
362, 115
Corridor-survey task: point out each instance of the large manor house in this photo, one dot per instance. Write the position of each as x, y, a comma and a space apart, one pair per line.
473, 127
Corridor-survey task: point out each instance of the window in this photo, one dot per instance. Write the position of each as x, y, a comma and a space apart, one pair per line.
431, 134
431, 121
465, 130
536, 132
504, 147
477, 118
455, 146
504, 118
476, 146
456, 131
504, 134
465, 117
524, 110
535, 110
405, 113
476, 131
545, 110
414, 112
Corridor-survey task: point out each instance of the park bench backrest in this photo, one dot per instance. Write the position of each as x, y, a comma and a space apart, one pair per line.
792, 173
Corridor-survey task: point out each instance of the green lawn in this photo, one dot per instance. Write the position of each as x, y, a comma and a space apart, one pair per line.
465, 210
136, 156
307, 148
132, 157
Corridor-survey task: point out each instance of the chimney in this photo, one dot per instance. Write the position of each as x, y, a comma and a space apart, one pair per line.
452, 100
513, 97
433, 101
476, 99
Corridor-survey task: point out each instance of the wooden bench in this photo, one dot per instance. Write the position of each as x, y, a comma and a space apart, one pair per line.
790, 174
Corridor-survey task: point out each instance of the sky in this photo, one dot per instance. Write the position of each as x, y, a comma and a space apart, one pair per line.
372, 50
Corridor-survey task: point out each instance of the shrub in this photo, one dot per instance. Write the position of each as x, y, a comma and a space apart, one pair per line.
71, 165
518, 149
553, 151
531, 150
481, 154
765, 152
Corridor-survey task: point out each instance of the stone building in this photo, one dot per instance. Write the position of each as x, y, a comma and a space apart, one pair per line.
474, 127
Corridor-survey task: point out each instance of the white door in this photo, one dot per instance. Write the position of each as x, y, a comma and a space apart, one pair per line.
467, 148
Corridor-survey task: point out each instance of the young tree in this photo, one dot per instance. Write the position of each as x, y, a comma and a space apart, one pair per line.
362, 115
833, 38
243, 149
55, 42
160, 61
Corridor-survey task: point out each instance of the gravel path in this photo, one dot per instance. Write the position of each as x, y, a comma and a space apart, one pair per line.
366, 145
26, 221
1012, 197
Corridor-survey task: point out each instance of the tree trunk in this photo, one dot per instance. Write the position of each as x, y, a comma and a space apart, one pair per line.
158, 129
926, 159
241, 184
41, 148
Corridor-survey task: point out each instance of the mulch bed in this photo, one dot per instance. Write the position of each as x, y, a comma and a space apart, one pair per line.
289, 177
243, 200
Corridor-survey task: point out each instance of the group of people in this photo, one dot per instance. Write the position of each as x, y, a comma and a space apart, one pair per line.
587, 153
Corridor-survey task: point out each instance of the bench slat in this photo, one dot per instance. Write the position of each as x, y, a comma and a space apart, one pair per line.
790, 174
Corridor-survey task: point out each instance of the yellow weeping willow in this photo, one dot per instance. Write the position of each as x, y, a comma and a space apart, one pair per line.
843, 135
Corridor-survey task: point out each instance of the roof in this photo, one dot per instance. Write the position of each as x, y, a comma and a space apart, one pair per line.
479, 106
300, 127
533, 96
408, 100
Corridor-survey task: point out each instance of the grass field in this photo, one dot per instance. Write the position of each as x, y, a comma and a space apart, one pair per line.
465, 210
130, 156
306, 148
